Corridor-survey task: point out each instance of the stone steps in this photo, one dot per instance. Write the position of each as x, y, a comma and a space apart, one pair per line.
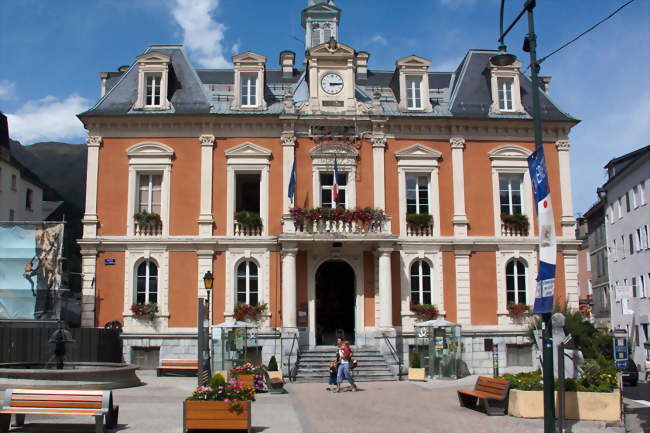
313, 365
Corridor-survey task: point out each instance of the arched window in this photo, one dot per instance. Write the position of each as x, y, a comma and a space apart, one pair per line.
420, 283
516, 282
147, 282
247, 283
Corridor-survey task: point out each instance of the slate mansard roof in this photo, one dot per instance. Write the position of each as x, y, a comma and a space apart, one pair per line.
464, 93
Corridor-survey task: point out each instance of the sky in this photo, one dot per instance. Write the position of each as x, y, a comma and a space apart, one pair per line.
53, 51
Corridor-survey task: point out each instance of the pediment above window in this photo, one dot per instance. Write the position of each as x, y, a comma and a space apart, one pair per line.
150, 153
417, 152
509, 156
249, 57
153, 57
412, 86
413, 61
248, 153
153, 72
332, 48
249, 82
325, 153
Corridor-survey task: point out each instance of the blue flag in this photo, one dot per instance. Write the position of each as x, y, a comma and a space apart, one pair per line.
292, 180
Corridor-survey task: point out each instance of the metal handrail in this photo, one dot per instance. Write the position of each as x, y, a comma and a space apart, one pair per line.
395, 355
292, 374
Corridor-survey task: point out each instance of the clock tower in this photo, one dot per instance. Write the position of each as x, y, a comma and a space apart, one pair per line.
321, 22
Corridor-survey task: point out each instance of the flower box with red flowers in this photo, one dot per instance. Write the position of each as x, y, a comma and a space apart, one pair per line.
425, 311
243, 311
144, 311
518, 310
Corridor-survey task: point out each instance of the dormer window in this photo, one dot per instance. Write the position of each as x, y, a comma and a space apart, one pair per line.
248, 90
414, 93
249, 81
412, 84
506, 96
153, 73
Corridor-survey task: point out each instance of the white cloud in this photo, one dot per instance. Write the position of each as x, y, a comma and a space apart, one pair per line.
379, 39
235, 47
48, 119
6, 89
202, 36
447, 65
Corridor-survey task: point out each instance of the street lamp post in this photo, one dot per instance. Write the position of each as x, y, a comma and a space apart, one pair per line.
204, 321
504, 59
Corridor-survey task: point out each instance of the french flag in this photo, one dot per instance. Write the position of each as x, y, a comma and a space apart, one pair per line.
335, 187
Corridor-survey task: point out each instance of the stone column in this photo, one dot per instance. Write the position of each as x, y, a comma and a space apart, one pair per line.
571, 277
463, 292
205, 216
289, 253
568, 221
90, 220
385, 288
460, 218
288, 155
378, 148
88, 286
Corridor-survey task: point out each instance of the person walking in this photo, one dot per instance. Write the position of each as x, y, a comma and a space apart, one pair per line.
344, 367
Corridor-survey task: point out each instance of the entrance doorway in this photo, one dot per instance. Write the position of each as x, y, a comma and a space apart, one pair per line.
335, 302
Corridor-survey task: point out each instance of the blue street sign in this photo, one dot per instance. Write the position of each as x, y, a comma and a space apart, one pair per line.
620, 352
109, 262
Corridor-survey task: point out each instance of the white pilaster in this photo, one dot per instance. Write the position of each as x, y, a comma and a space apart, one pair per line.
463, 293
568, 221
378, 147
460, 218
205, 217
289, 286
288, 155
230, 199
571, 277
385, 288
88, 292
90, 219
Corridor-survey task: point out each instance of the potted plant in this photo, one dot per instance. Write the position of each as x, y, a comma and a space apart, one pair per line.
147, 220
243, 311
424, 311
518, 310
249, 219
144, 311
249, 375
419, 220
275, 377
219, 406
416, 372
516, 222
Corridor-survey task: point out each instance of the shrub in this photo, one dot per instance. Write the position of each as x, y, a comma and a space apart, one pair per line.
216, 381
273, 364
419, 219
415, 360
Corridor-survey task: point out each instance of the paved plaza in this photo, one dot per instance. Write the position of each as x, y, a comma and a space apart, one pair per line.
307, 407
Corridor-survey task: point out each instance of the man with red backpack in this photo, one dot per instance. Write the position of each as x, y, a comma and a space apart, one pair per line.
344, 367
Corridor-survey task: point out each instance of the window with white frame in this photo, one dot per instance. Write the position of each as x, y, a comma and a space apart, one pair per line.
413, 92
627, 201
327, 189
631, 243
247, 283
417, 194
635, 287
641, 194
635, 196
146, 282
150, 193
623, 247
153, 89
505, 94
510, 193
614, 252
642, 286
249, 89
516, 282
646, 236
420, 282
619, 203
637, 239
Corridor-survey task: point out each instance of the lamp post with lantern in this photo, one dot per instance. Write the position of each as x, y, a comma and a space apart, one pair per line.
203, 327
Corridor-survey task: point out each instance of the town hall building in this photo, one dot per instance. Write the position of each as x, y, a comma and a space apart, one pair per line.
337, 196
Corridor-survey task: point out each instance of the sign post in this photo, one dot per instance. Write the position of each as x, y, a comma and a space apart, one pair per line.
620, 351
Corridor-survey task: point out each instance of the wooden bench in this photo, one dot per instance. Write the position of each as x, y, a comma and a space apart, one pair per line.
95, 403
491, 393
178, 366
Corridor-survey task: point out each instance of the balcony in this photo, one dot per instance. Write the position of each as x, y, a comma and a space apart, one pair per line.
148, 229
245, 230
514, 225
509, 230
419, 231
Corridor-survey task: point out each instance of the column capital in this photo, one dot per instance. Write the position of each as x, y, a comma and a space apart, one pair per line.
378, 141
207, 140
563, 145
288, 139
289, 250
457, 142
94, 140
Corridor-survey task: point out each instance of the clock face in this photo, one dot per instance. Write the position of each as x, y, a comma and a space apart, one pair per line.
332, 83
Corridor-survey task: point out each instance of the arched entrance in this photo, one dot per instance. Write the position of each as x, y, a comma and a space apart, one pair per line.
335, 302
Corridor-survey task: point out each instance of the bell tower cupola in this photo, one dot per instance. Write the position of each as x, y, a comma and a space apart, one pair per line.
321, 22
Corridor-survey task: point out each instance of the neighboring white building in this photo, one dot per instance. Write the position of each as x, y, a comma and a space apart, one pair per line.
628, 240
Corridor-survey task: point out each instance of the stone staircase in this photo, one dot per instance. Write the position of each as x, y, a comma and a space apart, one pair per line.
313, 365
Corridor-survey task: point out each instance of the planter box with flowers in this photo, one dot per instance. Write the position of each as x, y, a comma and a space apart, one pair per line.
246, 311
424, 311
339, 219
515, 224
249, 375
219, 407
518, 311
145, 311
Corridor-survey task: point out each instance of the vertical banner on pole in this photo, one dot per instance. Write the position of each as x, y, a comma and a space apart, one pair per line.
547, 243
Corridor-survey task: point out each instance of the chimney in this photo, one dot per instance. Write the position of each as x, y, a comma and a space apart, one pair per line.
287, 59
543, 83
103, 76
362, 65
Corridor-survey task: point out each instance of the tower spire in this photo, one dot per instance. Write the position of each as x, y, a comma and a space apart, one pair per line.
321, 22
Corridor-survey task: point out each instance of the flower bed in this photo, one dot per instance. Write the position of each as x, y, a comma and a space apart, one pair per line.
145, 311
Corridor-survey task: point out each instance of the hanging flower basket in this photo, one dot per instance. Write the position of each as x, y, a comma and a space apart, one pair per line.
145, 311
425, 311
243, 311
